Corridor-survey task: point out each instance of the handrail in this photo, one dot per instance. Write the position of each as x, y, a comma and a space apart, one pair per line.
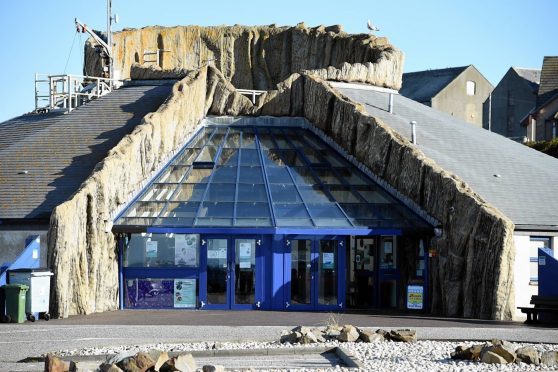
68, 91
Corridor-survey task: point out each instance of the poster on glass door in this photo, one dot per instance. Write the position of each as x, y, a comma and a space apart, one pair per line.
185, 293
185, 249
245, 255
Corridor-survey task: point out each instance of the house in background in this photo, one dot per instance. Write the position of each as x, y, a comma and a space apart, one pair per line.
458, 91
541, 122
513, 98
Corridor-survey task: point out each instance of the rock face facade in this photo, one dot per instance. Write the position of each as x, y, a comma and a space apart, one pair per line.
256, 57
82, 251
472, 263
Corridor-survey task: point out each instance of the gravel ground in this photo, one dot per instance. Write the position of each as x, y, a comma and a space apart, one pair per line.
380, 356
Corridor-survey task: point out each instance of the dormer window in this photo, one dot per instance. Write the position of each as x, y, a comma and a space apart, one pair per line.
471, 87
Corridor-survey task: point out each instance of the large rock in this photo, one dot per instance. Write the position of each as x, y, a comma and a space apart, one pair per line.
550, 358
506, 352
529, 355
349, 333
468, 353
492, 358
367, 335
403, 335
257, 57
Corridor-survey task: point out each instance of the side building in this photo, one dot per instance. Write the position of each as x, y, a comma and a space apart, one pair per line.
542, 121
458, 91
512, 99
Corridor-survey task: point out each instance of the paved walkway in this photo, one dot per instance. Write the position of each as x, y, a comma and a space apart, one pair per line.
18, 341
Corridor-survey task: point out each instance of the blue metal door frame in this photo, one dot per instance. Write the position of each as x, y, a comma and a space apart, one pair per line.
314, 257
231, 280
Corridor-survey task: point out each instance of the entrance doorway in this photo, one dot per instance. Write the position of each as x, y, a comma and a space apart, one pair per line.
232, 272
373, 272
314, 272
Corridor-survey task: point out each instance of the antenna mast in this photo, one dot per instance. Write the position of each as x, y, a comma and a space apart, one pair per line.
109, 38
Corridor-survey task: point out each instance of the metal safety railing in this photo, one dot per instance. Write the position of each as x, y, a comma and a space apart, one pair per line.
251, 93
67, 92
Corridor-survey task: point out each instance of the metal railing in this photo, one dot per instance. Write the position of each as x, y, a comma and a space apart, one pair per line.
67, 92
251, 93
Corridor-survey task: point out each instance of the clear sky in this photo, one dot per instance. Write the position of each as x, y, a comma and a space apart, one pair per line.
493, 35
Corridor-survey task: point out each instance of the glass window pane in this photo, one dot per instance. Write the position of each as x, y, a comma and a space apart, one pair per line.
290, 210
245, 271
174, 222
251, 175
202, 138
187, 157
149, 293
314, 194
331, 222
228, 157
217, 266
173, 174
219, 192
181, 210
216, 209
233, 139
373, 194
284, 194
327, 273
207, 155
189, 192
361, 211
273, 158
266, 142
145, 209
198, 176
278, 175
281, 141
217, 139
159, 192
343, 194
328, 177
292, 158
133, 221
249, 210
301, 271
162, 250
224, 175
212, 221
248, 193
252, 222
326, 210
351, 176
248, 139
249, 157
294, 222
303, 176
314, 156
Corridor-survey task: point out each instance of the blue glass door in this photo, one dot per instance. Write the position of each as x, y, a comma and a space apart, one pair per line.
314, 270
230, 279
388, 273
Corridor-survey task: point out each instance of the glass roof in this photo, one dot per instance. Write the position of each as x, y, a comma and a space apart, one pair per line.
282, 177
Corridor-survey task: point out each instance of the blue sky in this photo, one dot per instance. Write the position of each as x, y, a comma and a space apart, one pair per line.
37, 35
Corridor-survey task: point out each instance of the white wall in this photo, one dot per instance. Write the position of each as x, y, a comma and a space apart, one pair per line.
523, 291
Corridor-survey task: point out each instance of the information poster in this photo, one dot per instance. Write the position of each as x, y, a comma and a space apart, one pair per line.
328, 261
217, 253
185, 293
245, 255
185, 249
415, 297
151, 249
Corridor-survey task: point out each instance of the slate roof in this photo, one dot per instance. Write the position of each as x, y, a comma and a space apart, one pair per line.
60, 151
525, 189
549, 80
422, 86
531, 76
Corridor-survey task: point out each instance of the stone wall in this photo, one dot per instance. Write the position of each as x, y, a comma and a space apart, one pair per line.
82, 250
257, 57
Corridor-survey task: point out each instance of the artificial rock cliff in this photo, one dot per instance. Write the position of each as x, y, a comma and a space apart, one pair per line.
256, 57
472, 263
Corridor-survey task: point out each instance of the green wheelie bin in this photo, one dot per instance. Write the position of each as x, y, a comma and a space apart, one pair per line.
15, 295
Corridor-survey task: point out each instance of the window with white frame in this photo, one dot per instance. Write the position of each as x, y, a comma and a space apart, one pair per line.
536, 242
471, 88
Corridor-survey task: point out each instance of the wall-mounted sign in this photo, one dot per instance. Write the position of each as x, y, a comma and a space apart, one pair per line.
328, 261
151, 249
185, 293
185, 249
245, 255
217, 253
542, 261
415, 297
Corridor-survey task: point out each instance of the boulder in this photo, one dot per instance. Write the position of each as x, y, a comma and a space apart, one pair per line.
506, 351
308, 338
529, 355
403, 335
185, 363
550, 358
106, 367
467, 353
290, 337
370, 336
55, 364
348, 334
492, 358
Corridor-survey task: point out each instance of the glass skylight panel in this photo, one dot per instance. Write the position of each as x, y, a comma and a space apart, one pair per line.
159, 192
361, 211
233, 139
250, 210
198, 176
186, 209
189, 192
216, 139
228, 157
187, 157
252, 222
249, 157
351, 176
216, 209
224, 175
372, 195
314, 194
250, 175
206, 158
284, 193
290, 210
272, 158
201, 139
278, 175
248, 139
266, 143
343, 194
174, 174
145, 209
252, 193
303, 176
328, 177
220, 192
